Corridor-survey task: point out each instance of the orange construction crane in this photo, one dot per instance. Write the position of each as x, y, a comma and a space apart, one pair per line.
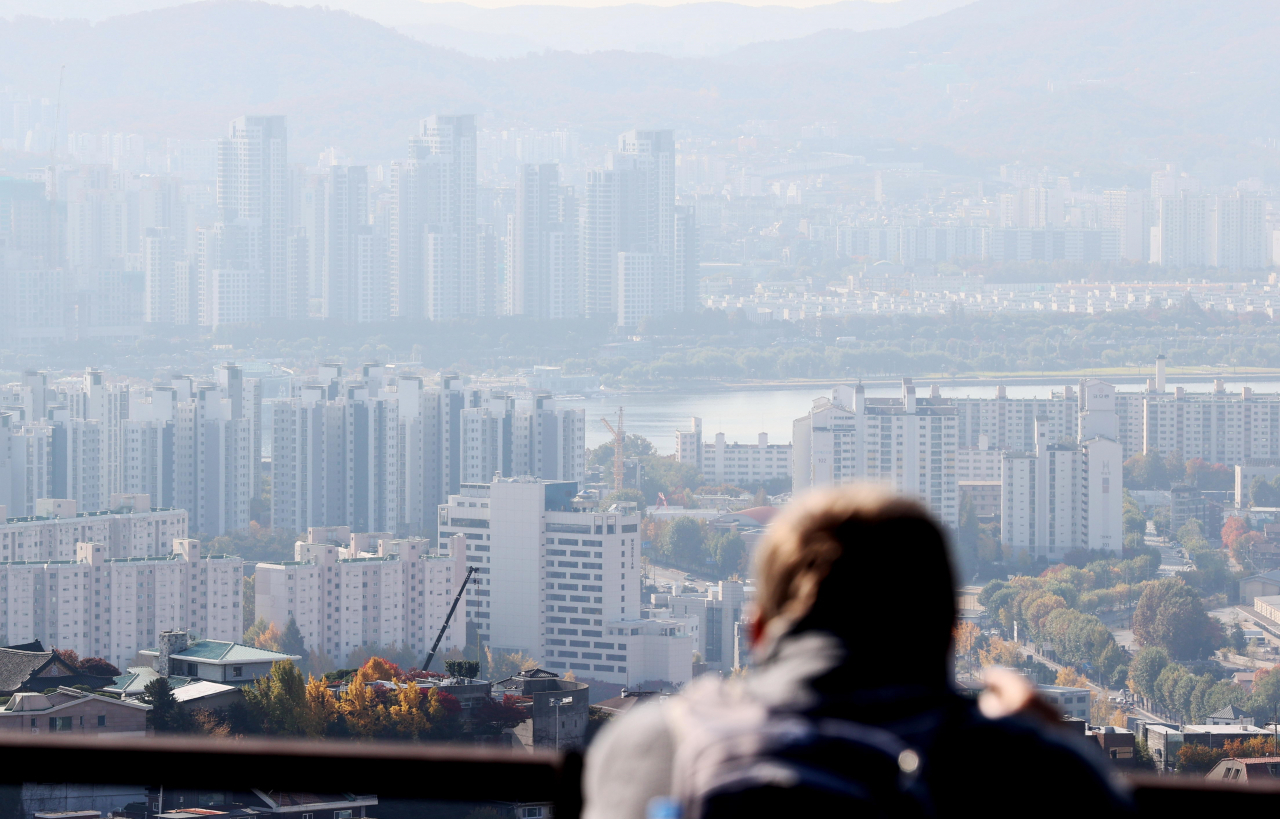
619, 438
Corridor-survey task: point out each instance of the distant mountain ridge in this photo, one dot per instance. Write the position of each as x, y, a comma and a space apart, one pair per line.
691, 29
1103, 80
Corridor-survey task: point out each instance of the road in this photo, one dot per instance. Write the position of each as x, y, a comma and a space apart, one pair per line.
661, 575
1100, 692
1171, 559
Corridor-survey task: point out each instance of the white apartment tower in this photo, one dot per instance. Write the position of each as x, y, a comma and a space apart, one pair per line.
346, 200
433, 222
907, 443
376, 591
113, 607
543, 279
1067, 495
1179, 237
253, 188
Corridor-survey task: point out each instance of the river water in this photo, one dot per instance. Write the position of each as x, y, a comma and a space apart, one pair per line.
743, 414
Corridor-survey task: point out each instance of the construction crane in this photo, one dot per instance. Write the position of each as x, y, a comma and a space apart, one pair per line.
431, 655
619, 437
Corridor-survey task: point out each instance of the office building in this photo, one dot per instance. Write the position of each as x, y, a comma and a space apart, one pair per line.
907, 443
548, 578
349, 590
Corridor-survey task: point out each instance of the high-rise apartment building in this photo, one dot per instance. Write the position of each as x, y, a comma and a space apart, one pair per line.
336, 463
375, 591
381, 454
1179, 237
907, 443
253, 190
1238, 237
433, 222
130, 529
1125, 211
346, 201
543, 266
113, 607
1068, 495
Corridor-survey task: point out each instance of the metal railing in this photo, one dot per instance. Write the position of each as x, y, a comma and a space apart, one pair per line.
390, 770
428, 772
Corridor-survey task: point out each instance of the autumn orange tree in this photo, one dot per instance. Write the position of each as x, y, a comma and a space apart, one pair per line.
966, 635
379, 702
1194, 758
1250, 748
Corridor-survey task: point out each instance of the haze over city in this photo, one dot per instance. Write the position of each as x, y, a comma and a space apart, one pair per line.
914, 362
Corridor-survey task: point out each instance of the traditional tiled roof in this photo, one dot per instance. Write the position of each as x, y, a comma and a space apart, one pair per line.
17, 667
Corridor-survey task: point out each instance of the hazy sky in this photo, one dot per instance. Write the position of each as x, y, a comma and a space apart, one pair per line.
795, 4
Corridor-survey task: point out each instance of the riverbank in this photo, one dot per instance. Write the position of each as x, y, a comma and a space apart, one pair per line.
1112, 375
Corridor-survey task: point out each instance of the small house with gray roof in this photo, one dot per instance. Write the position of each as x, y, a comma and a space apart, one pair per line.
214, 660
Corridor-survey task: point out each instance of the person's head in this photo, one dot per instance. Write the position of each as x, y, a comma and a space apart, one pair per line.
856, 560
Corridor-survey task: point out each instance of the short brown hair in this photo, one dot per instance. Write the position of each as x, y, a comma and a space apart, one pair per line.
805, 543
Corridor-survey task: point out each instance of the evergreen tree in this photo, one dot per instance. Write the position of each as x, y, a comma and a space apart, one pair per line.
165, 714
292, 642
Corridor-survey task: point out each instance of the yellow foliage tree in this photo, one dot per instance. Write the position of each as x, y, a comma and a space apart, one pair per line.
377, 668
965, 634
1070, 678
1000, 652
365, 717
407, 719
322, 708
271, 639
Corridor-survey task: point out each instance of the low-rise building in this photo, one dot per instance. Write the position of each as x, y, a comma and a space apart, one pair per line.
1118, 744
1254, 586
1231, 715
1255, 769
1268, 606
656, 650
1189, 503
712, 617
72, 711
558, 709
1071, 702
213, 660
